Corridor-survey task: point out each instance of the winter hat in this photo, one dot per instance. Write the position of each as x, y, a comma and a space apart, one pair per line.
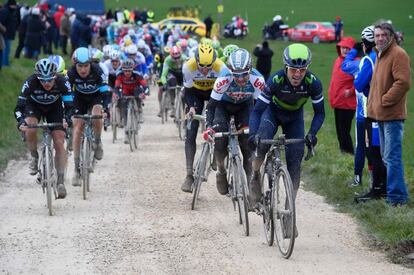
11, 3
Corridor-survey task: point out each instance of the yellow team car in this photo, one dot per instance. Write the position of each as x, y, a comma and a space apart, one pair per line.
187, 24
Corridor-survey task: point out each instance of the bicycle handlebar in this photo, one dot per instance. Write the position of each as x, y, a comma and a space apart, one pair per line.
44, 125
194, 117
226, 134
88, 117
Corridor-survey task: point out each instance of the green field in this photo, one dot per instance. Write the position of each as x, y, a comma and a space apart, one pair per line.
329, 173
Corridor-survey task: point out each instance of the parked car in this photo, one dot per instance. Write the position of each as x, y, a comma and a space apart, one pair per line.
187, 24
312, 32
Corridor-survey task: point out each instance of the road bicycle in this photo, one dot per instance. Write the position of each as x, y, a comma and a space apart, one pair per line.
236, 176
133, 118
180, 119
203, 165
47, 175
86, 158
166, 103
277, 207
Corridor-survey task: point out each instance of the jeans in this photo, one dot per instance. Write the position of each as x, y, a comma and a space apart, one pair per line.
6, 52
391, 135
359, 159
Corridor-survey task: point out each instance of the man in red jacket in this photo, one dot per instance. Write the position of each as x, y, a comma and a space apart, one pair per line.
342, 97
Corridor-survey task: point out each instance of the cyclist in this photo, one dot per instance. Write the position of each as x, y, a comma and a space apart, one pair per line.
42, 96
281, 104
113, 65
172, 75
89, 85
200, 73
132, 52
227, 52
233, 94
129, 83
60, 64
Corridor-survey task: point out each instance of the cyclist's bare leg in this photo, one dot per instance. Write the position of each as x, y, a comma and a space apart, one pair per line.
160, 90
78, 125
59, 145
97, 123
31, 137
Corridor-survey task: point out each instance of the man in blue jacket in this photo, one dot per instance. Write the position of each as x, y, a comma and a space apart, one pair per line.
9, 18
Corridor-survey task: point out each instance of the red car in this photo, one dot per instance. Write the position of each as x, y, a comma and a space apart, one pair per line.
312, 31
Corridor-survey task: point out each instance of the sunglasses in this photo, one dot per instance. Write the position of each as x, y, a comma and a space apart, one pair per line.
205, 66
46, 80
240, 75
295, 70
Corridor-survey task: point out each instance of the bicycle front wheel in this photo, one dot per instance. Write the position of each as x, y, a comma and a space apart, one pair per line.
164, 107
241, 187
85, 165
267, 183
114, 122
130, 127
200, 173
284, 213
47, 177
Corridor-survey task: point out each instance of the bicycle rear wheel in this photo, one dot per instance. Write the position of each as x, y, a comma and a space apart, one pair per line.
164, 107
47, 177
267, 215
284, 214
241, 187
200, 173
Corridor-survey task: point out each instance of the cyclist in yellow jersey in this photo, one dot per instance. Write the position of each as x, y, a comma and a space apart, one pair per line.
200, 73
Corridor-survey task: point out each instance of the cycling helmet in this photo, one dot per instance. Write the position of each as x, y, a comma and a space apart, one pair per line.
240, 61
141, 44
205, 55
182, 43
206, 41
229, 49
81, 56
107, 49
216, 44
131, 49
192, 42
131, 32
175, 52
115, 55
128, 64
97, 55
45, 69
297, 56
368, 34
60, 63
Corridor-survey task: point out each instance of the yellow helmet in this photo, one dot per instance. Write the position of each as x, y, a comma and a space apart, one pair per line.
205, 55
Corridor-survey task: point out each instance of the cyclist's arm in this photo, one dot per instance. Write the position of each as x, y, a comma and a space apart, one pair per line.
67, 98
210, 111
21, 102
255, 116
318, 107
165, 69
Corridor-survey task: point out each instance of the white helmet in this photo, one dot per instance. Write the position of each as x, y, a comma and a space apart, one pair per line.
131, 49
277, 18
368, 34
115, 55
107, 49
141, 44
131, 32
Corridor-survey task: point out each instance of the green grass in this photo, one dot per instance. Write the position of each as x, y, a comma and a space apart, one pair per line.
328, 174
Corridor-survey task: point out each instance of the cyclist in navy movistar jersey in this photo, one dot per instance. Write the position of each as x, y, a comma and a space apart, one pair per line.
42, 96
89, 85
281, 104
233, 94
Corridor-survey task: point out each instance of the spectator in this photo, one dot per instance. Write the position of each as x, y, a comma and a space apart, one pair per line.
387, 103
342, 97
57, 17
10, 19
264, 59
109, 14
275, 27
34, 35
64, 30
51, 33
209, 24
22, 35
338, 25
2, 44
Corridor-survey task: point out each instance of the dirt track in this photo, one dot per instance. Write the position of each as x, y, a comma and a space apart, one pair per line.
136, 220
